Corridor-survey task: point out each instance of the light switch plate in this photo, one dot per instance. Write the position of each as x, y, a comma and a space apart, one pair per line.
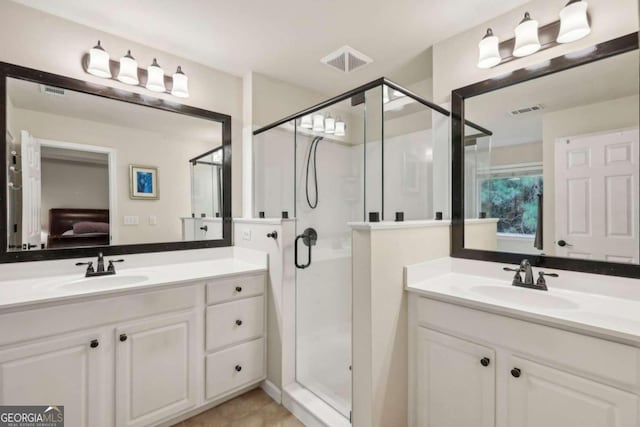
131, 220
153, 220
246, 234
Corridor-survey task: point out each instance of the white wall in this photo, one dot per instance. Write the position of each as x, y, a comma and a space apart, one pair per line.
455, 59
609, 115
45, 42
132, 146
72, 184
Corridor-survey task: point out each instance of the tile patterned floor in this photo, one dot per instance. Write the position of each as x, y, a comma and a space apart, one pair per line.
252, 409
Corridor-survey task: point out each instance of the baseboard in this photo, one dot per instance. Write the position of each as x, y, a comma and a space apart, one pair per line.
272, 390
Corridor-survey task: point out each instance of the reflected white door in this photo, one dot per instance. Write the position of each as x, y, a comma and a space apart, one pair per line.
31, 191
596, 205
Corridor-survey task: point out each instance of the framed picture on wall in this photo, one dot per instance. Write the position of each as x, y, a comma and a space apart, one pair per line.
143, 183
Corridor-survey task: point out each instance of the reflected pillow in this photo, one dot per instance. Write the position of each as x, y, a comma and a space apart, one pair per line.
86, 227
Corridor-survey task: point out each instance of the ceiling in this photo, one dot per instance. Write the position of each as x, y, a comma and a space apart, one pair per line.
284, 39
28, 96
600, 81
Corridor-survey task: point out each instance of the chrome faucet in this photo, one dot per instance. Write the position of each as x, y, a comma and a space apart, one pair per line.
90, 272
525, 267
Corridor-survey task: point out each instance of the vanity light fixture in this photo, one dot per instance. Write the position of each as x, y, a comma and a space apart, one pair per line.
128, 72
489, 51
340, 128
155, 77
318, 123
574, 23
99, 62
527, 41
329, 125
305, 122
180, 84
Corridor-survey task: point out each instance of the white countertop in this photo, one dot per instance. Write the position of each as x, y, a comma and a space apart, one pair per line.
467, 283
65, 287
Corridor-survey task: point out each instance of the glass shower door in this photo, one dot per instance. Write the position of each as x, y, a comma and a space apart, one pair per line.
328, 197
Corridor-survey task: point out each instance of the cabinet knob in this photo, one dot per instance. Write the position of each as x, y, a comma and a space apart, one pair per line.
485, 361
238, 368
239, 322
238, 288
123, 337
515, 372
94, 343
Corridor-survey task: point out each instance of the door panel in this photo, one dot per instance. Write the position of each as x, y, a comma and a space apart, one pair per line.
63, 370
31, 191
596, 206
455, 389
545, 397
155, 369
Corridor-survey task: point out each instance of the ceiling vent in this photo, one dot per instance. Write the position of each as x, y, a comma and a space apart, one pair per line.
346, 59
526, 110
52, 90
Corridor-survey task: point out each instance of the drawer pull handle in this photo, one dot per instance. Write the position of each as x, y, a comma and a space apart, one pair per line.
123, 337
238, 368
94, 343
485, 361
238, 288
239, 322
515, 372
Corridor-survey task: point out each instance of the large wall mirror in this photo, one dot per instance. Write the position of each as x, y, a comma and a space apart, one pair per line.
549, 169
90, 168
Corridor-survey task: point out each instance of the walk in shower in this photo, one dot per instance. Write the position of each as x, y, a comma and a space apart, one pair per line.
379, 149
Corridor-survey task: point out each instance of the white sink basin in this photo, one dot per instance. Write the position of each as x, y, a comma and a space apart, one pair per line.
531, 298
101, 282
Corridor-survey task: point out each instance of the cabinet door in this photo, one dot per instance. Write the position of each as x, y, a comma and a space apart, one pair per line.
66, 370
456, 382
155, 368
540, 396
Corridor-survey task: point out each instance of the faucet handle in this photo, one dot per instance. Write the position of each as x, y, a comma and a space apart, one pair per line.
111, 267
517, 279
541, 281
89, 265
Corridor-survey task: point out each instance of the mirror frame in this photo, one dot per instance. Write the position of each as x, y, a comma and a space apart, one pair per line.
600, 51
18, 72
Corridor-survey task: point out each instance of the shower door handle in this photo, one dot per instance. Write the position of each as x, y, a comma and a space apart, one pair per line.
309, 238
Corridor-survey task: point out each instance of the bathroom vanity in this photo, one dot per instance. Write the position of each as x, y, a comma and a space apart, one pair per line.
138, 348
520, 357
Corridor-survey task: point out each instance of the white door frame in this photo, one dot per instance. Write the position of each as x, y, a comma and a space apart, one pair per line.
112, 166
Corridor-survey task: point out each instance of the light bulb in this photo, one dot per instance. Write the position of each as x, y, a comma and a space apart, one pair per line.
306, 123
340, 128
318, 123
99, 62
574, 23
180, 84
489, 52
128, 70
329, 125
527, 41
155, 77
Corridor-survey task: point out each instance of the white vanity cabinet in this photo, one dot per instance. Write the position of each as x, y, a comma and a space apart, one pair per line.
155, 368
138, 359
471, 368
450, 371
64, 370
235, 334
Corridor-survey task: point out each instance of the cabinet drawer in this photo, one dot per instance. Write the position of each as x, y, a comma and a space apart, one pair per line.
234, 367
235, 321
234, 288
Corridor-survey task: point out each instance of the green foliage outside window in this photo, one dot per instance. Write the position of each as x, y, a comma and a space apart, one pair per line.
514, 201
